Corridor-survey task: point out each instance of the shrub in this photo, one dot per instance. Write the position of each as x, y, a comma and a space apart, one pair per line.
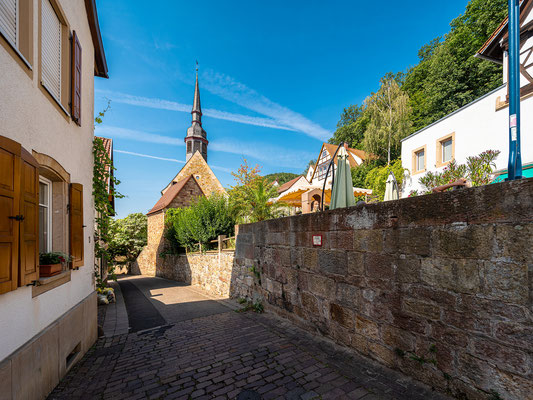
201, 222
478, 170
376, 178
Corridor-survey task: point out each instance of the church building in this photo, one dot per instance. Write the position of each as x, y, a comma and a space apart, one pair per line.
195, 179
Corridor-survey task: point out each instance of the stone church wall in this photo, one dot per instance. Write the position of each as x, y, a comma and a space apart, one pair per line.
439, 287
207, 180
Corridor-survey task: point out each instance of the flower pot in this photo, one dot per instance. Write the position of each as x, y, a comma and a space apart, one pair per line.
49, 270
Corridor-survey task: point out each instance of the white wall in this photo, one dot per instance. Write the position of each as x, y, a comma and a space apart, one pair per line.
29, 117
477, 128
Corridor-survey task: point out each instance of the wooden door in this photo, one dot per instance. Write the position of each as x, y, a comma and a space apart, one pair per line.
29, 226
9, 208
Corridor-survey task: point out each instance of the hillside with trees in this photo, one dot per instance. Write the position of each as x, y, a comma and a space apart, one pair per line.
446, 78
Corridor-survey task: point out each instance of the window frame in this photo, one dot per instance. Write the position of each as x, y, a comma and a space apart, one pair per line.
48, 183
63, 103
440, 148
414, 156
22, 49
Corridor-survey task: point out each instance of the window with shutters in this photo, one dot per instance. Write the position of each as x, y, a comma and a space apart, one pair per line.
16, 29
55, 49
19, 202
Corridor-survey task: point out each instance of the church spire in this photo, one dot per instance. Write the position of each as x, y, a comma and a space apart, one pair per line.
196, 107
196, 139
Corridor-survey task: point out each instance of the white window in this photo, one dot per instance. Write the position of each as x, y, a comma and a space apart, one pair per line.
51, 49
420, 160
446, 150
9, 20
45, 215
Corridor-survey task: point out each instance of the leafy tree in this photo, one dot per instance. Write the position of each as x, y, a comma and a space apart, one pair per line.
104, 184
389, 113
249, 198
360, 173
281, 177
128, 237
203, 221
377, 178
448, 76
351, 127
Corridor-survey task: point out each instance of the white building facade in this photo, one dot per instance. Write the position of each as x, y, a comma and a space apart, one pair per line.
50, 51
481, 125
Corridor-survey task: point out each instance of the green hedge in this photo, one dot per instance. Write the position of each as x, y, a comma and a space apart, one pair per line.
201, 222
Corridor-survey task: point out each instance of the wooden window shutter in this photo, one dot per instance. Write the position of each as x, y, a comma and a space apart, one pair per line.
76, 224
76, 79
9, 207
29, 226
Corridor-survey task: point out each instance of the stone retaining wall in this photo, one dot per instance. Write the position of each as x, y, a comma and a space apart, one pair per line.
210, 271
437, 286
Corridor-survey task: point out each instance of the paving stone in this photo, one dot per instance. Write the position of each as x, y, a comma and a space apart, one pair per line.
225, 354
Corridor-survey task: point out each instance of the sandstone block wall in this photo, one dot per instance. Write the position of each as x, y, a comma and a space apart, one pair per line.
437, 286
148, 258
210, 271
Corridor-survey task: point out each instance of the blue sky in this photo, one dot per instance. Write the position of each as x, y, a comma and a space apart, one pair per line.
274, 78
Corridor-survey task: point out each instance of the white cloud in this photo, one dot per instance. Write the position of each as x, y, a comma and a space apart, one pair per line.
162, 104
272, 155
138, 136
131, 153
238, 93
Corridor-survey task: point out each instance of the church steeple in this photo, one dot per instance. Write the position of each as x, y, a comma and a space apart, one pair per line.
196, 139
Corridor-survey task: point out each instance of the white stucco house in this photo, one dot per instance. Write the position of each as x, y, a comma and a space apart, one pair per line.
483, 124
50, 52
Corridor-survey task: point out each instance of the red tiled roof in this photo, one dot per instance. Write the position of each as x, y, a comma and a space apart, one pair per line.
288, 185
171, 194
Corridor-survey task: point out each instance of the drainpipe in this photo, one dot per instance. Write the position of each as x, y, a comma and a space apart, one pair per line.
514, 166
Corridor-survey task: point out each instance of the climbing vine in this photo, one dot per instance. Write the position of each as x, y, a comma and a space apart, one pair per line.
104, 186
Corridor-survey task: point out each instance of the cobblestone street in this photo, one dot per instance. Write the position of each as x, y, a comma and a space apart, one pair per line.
224, 354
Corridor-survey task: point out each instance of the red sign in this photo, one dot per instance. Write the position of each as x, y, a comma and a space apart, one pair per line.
317, 240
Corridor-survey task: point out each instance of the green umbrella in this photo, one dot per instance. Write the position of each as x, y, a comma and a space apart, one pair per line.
342, 191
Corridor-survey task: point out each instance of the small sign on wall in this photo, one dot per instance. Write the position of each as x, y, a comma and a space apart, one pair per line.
317, 240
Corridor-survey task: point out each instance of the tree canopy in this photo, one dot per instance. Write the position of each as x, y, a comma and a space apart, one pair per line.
281, 177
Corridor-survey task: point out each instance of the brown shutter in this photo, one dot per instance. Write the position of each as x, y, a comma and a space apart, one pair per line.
29, 226
76, 224
76, 79
9, 207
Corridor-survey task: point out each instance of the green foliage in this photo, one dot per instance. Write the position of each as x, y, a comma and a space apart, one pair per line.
377, 178
249, 305
478, 170
448, 76
128, 237
201, 222
104, 186
281, 177
351, 127
360, 173
249, 199
389, 112
55, 257
311, 163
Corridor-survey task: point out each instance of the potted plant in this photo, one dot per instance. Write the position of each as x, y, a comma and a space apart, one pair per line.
51, 264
